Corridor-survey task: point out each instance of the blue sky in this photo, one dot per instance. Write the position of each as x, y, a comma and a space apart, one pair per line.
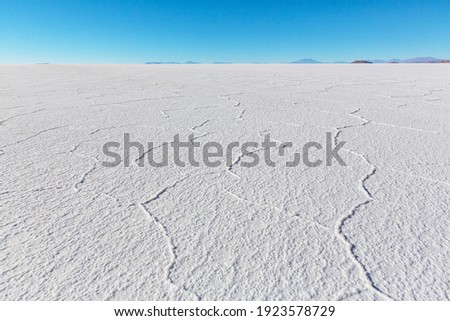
135, 31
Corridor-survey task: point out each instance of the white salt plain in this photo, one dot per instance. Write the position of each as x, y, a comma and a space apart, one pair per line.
376, 229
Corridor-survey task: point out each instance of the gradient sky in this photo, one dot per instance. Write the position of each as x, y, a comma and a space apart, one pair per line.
136, 31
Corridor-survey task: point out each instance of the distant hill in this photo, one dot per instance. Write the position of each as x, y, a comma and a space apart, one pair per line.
172, 63
306, 61
421, 60
362, 62
416, 60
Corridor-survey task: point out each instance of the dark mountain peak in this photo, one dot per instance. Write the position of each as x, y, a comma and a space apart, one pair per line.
362, 62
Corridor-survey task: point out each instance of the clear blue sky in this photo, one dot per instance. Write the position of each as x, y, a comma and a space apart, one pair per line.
135, 31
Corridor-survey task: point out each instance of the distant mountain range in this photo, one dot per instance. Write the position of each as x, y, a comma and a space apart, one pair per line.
306, 61
422, 60
309, 61
417, 60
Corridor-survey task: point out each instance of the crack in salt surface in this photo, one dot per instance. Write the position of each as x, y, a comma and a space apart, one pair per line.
408, 128
116, 127
206, 107
194, 128
366, 122
82, 180
289, 215
235, 103
420, 177
197, 137
37, 189
344, 220
170, 242
353, 211
137, 100
165, 114
230, 167
228, 98
241, 115
19, 115
34, 135
352, 114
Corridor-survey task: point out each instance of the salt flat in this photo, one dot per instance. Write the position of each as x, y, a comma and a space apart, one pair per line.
376, 229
